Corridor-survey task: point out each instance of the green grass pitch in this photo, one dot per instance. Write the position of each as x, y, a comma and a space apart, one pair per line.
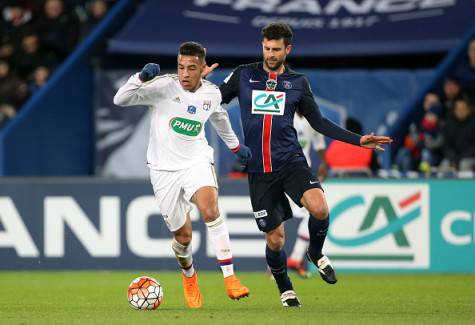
100, 298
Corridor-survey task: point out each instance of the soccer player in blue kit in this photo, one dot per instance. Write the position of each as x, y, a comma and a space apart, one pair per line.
269, 94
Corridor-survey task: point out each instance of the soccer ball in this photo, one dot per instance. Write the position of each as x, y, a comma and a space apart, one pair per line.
145, 293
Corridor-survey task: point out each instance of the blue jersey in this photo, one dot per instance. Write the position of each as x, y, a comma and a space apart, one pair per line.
268, 103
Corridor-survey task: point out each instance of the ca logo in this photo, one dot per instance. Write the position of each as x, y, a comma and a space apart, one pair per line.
268, 102
378, 225
382, 204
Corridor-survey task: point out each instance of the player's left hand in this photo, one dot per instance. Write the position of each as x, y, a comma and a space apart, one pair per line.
322, 171
244, 154
208, 69
149, 71
372, 141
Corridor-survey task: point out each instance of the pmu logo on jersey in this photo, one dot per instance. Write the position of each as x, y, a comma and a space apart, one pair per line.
185, 126
268, 102
378, 226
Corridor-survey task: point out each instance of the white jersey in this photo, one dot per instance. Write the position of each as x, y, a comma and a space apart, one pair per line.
308, 137
177, 136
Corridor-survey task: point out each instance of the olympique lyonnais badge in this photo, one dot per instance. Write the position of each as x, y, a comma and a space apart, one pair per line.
207, 105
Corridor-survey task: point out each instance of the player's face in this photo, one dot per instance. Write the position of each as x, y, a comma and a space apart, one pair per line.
189, 71
274, 53
471, 52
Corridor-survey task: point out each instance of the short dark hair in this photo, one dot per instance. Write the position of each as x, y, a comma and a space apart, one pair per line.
464, 97
193, 49
277, 31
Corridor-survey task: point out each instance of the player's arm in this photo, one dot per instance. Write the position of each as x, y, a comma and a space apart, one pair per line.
142, 88
221, 123
309, 108
230, 87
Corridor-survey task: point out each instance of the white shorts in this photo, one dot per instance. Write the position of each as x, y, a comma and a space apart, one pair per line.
174, 190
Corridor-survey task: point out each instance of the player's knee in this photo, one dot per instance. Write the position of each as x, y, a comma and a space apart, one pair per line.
183, 237
319, 212
276, 241
209, 213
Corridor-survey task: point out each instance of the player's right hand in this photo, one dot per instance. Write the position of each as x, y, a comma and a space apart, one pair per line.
244, 154
208, 69
371, 141
149, 71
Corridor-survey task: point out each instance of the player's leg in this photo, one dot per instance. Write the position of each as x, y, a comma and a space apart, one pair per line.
318, 223
202, 187
181, 246
305, 190
277, 263
175, 209
271, 207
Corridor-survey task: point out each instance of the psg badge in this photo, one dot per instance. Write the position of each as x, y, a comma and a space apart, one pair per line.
262, 222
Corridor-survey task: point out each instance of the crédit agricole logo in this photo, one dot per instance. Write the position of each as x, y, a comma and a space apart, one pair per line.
378, 226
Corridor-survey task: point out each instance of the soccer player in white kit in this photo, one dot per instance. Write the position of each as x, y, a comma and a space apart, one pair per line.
181, 161
308, 138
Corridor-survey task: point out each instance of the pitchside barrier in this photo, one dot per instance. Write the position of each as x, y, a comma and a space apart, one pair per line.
377, 225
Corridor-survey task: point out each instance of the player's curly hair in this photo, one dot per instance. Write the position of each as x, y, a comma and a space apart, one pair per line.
277, 31
193, 49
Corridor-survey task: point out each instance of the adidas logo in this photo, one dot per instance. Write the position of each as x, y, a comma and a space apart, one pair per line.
177, 100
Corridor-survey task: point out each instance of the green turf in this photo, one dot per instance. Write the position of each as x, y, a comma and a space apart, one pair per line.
100, 298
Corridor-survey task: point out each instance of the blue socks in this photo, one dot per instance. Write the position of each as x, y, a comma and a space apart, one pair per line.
318, 232
277, 262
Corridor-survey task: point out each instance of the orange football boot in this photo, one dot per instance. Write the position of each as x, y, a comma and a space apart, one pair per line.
191, 291
234, 288
298, 266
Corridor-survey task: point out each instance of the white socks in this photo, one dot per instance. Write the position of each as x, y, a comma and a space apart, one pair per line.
303, 240
184, 257
219, 236
300, 247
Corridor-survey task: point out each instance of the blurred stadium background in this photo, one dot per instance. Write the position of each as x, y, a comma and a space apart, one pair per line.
74, 188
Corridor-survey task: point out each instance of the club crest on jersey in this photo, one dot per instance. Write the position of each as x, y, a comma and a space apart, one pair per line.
207, 105
287, 84
262, 222
271, 84
268, 102
191, 109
